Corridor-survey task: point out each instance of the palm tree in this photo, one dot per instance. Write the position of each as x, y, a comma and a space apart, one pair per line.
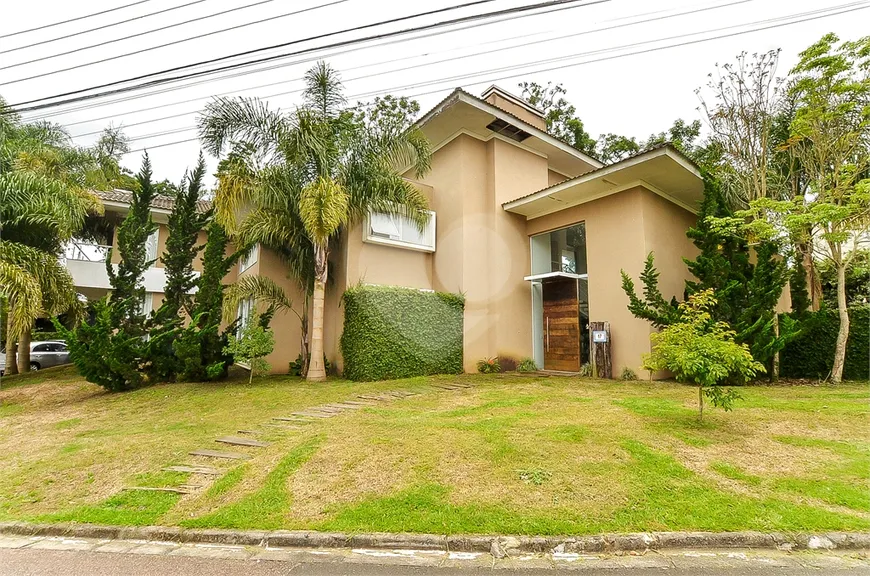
299, 178
44, 201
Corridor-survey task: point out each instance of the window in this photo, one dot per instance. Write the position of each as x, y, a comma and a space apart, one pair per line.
244, 313
250, 258
42, 348
400, 232
146, 304
151, 247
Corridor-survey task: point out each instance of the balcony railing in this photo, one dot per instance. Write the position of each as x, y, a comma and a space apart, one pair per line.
86, 252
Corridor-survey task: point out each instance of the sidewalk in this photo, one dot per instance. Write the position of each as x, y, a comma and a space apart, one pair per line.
18, 548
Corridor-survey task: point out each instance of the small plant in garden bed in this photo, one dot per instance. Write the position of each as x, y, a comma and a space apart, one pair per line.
489, 366
628, 374
586, 370
527, 365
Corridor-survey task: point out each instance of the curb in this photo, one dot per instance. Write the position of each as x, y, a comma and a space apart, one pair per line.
499, 546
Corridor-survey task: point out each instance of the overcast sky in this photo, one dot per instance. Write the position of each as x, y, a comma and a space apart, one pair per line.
633, 95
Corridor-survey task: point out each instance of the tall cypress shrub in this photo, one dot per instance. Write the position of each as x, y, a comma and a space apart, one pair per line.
111, 349
185, 222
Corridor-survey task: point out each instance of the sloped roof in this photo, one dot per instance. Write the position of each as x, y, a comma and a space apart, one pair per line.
667, 145
537, 132
160, 201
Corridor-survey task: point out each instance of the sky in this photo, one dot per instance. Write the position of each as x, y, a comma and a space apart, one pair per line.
630, 67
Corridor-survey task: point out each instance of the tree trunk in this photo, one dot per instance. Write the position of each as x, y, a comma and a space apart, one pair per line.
11, 348
700, 403
316, 369
24, 352
303, 345
843, 334
814, 282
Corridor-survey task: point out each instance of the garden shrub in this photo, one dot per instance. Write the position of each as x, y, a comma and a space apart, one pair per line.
392, 332
527, 365
489, 366
628, 374
811, 353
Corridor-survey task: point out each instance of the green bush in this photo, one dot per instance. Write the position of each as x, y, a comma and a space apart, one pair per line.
811, 354
42, 336
527, 365
392, 332
489, 366
628, 374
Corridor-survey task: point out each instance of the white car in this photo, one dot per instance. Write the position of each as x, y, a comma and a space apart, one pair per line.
43, 355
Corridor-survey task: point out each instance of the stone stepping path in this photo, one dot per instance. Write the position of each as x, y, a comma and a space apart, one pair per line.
183, 489
237, 441
218, 454
206, 470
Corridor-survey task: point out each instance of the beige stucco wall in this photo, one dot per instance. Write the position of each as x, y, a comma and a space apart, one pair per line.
615, 240
285, 324
517, 111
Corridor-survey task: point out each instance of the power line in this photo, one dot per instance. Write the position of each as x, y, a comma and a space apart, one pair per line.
173, 43
282, 65
472, 55
307, 50
72, 19
103, 27
849, 8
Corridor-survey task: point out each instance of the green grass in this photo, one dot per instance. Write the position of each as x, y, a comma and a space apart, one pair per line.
265, 508
516, 454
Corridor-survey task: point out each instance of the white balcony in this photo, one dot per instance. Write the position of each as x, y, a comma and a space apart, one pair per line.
87, 265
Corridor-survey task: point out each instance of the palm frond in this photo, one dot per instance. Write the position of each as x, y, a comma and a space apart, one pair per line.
259, 288
249, 120
323, 208
324, 92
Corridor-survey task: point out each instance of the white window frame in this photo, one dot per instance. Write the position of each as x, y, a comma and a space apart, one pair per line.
244, 312
251, 258
392, 231
152, 245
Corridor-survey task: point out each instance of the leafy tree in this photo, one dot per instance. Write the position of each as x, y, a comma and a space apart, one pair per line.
44, 201
185, 222
857, 280
701, 350
111, 350
251, 346
200, 346
830, 137
308, 175
799, 289
559, 114
612, 148
653, 308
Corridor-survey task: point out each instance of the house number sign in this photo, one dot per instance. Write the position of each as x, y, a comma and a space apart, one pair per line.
599, 336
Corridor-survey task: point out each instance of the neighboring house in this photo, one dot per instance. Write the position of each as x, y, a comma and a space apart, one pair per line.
533, 232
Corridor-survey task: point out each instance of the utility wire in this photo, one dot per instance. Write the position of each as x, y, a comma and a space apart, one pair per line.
173, 43
462, 57
559, 67
351, 49
72, 19
307, 50
55, 39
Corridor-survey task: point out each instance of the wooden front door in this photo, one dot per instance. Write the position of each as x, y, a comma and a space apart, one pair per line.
561, 325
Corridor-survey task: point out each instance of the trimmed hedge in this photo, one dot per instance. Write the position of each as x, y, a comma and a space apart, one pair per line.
392, 332
811, 354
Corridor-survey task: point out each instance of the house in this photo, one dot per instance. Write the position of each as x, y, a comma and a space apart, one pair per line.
533, 232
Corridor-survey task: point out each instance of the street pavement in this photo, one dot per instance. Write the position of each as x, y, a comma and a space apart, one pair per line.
56, 556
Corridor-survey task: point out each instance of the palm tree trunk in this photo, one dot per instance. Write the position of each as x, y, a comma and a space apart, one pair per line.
11, 348
303, 344
316, 369
24, 352
843, 334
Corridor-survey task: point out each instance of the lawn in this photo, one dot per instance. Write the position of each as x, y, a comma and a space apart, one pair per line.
511, 454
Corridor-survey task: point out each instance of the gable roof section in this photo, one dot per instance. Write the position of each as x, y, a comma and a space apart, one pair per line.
461, 96
123, 198
512, 98
662, 169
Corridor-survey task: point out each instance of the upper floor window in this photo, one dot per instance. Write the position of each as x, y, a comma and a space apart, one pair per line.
400, 231
151, 247
244, 312
250, 258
